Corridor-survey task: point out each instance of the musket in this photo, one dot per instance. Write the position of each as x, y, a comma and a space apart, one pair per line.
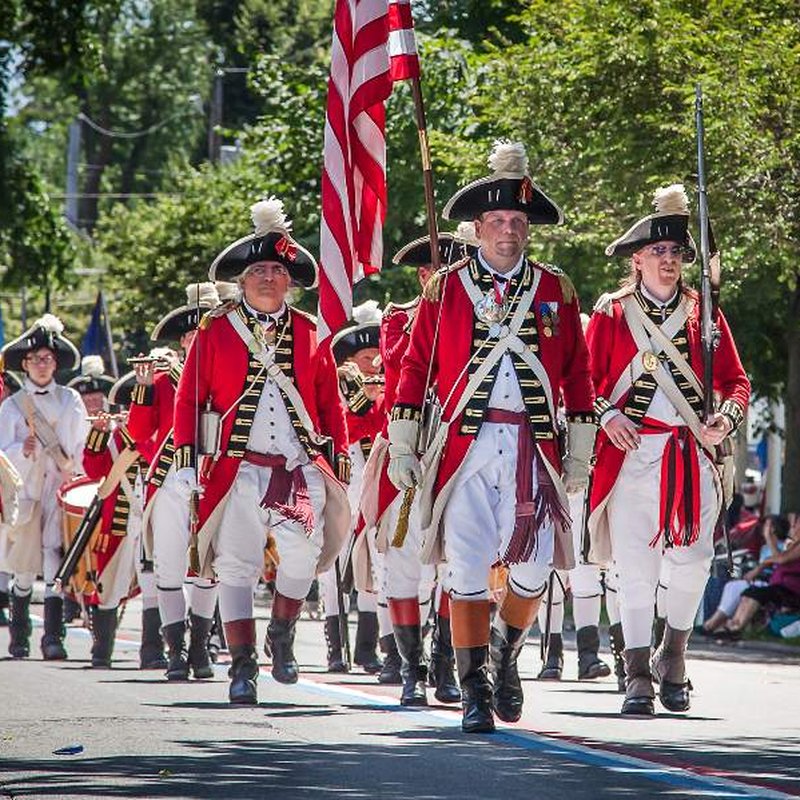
344, 632
194, 497
710, 279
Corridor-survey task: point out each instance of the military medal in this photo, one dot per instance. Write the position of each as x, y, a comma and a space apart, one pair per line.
550, 319
649, 361
492, 308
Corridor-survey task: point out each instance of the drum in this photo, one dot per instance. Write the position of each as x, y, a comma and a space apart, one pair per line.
75, 497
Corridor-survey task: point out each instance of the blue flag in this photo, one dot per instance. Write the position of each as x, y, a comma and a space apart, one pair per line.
94, 341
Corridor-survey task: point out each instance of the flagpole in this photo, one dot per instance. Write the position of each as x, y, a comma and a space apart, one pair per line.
427, 171
107, 325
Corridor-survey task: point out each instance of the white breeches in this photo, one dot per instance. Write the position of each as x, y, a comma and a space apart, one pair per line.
406, 575
480, 516
633, 513
242, 534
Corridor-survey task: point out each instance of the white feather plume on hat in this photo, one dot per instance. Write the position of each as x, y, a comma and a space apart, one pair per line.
465, 232
669, 200
269, 217
227, 291
51, 323
92, 366
204, 294
368, 313
509, 158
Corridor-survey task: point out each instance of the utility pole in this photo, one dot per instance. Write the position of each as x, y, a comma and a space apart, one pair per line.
73, 156
215, 117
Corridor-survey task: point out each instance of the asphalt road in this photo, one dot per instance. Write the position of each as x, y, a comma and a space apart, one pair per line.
138, 736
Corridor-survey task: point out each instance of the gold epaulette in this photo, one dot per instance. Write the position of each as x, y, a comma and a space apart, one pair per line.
567, 287
605, 301
432, 291
391, 307
215, 313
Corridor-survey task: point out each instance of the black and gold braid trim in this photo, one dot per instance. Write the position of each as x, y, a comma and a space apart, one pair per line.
142, 395
601, 406
641, 394
359, 403
165, 460
122, 506
175, 373
586, 417
733, 411
531, 389
97, 441
127, 439
404, 411
184, 456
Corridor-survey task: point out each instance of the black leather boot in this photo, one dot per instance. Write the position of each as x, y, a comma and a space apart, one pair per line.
280, 633
151, 652
4, 600
241, 637
476, 689
104, 627
390, 674
617, 641
590, 666
658, 631
244, 675
333, 641
639, 692
53, 640
669, 669
365, 653
177, 657
552, 668
413, 670
199, 656
506, 643
443, 662
72, 610
19, 627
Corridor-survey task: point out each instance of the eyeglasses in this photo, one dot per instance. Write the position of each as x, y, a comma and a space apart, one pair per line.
265, 270
43, 360
661, 250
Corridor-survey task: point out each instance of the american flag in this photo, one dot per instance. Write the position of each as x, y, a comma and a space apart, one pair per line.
373, 44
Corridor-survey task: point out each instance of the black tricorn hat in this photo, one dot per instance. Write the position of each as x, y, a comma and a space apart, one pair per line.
508, 188
668, 223
364, 332
418, 252
12, 382
200, 297
92, 378
271, 241
48, 331
122, 391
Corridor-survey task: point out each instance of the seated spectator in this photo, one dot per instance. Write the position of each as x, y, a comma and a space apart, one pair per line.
773, 534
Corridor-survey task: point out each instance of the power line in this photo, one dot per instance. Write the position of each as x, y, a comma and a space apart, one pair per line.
136, 134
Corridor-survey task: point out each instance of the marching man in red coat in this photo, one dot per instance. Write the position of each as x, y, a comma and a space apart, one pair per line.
265, 396
656, 493
503, 336
166, 524
409, 582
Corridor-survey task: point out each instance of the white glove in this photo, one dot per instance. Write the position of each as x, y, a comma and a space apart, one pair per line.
404, 469
186, 483
580, 446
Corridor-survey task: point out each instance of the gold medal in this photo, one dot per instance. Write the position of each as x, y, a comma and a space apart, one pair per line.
649, 361
548, 332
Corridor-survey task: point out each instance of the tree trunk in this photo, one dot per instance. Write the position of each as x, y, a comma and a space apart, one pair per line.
791, 466
98, 156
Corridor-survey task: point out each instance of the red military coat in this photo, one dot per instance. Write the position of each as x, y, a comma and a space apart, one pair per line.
150, 422
563, 355
99, 454
612, 349
216, 371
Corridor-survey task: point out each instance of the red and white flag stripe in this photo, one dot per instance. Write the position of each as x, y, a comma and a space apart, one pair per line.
373, 44
354, 157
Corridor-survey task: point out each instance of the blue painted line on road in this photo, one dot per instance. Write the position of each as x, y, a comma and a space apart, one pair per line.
702, 785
